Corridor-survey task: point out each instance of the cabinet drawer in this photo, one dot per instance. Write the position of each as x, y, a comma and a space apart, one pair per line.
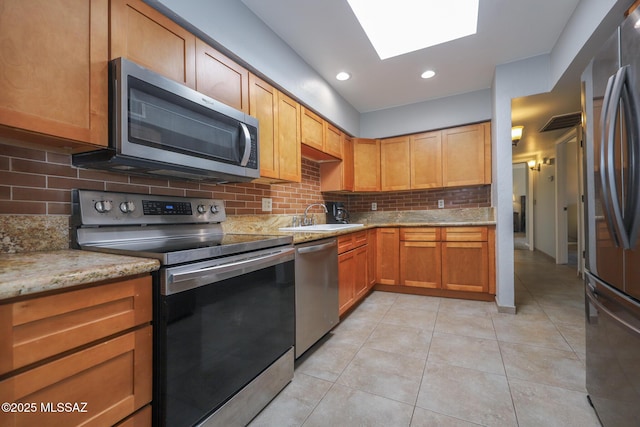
464, 234
359, 239
113, 378
420, 234
38, 328
352, 241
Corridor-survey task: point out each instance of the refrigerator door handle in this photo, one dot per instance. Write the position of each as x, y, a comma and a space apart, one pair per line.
607, 163
632, 126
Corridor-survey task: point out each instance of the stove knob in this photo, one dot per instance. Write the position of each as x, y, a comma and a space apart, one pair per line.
201, 209
103, 206
127, 207
214, 209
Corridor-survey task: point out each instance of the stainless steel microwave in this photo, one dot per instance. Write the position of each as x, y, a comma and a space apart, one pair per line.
161, 128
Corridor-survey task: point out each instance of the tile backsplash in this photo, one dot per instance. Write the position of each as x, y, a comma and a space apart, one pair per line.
35, 195
35, 182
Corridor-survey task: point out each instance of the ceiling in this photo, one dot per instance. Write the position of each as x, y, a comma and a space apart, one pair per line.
327, 35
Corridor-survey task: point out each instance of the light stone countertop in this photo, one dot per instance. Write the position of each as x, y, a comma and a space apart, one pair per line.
32, 272
432, 218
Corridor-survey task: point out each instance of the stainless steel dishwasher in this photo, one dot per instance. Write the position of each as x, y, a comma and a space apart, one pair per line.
316, 274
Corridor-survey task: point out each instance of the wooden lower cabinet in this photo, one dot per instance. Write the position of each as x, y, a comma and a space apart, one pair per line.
78, 357
371, 257
388, 259
465, 266
441, 261
353, 281
420, 264
346, 281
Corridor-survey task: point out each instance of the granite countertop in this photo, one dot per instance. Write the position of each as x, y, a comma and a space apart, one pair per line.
433, 218
32, 272
301, 237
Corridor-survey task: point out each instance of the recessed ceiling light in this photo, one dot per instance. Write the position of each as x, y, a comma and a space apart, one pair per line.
428, 74
403, 26
342, 75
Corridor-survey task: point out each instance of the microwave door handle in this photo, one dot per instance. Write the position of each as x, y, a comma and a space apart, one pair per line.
616, 203
246, 136
604, 143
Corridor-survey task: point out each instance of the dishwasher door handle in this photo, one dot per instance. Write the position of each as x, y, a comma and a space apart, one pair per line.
317, 248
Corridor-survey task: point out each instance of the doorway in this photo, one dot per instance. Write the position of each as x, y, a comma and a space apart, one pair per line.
520, 202
568, 241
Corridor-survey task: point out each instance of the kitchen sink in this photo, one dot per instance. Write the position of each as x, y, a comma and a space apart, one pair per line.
321, 228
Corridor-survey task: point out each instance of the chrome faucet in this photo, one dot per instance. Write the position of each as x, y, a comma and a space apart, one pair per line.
310, 221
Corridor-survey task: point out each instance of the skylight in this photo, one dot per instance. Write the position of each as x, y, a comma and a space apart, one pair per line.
401, 26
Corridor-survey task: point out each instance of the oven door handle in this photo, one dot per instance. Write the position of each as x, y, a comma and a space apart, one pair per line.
183, 281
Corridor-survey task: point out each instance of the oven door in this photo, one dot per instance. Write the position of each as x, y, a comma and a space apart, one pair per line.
218, 325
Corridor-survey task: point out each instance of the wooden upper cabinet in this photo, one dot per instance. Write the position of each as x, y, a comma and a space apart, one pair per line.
279, 131
312, 129
145, 36
338, 176
463, 155
220, 78
263, 105
288, 132
54, 72
332, 140
321, 141
366, 163
395, 161
426, 160
487, 152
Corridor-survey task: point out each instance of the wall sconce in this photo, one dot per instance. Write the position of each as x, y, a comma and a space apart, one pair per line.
532, 165
516, 134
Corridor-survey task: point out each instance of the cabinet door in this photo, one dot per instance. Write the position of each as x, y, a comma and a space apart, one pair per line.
426, 160
346, 280
371, 257
333, 141
465, 266
338, 176
366, 164
114, 378
361, 283
288, 144
487, 152
463, 156
387, 248
395, 164
420, 264
54, 70
263, 105
312, 129
220, 78
145, 36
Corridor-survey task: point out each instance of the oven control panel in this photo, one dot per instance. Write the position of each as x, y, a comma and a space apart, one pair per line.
111, 208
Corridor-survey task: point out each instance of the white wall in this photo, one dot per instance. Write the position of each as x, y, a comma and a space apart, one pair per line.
436, 114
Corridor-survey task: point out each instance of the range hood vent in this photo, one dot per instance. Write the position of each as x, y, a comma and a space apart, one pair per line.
562, 121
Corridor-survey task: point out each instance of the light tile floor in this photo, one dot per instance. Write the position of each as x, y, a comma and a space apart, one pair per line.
405, 360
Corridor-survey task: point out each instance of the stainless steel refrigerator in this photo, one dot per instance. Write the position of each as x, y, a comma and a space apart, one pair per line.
611, 107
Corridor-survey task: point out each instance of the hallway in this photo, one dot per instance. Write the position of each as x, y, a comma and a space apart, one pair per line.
405, 360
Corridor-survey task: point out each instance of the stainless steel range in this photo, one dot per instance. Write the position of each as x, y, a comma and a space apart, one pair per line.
223, 303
